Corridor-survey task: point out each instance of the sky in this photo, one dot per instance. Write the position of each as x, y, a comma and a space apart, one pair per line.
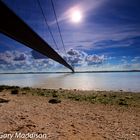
106, 38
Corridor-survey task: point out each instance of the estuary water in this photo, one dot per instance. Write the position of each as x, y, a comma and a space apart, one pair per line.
126, 81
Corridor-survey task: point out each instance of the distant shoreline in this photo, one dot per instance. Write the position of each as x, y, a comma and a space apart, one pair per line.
117, 71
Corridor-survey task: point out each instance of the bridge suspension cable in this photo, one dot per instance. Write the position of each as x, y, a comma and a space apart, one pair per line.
58, 27
42, 11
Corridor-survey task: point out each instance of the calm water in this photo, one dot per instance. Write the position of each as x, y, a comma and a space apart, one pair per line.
128, 81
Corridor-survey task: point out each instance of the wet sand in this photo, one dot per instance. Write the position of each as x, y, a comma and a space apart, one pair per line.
72, 119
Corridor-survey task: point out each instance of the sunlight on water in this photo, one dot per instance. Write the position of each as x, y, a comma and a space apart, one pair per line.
127, 81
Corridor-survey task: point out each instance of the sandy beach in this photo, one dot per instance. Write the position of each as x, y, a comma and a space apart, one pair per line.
75, 118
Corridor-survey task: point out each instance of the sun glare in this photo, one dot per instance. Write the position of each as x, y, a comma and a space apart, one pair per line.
76, 16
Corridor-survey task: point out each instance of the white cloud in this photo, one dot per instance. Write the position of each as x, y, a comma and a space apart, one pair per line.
19, 61
10, 56
80, 58
81, 61
95, 59
136, 59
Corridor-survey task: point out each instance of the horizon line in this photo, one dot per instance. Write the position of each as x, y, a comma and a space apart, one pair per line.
104, 71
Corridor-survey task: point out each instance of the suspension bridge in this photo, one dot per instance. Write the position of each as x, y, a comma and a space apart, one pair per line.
14, 27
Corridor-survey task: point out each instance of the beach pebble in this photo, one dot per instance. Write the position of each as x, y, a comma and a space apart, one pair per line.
3, 100
54, 101
14, 91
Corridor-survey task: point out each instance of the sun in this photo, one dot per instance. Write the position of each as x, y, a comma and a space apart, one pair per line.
76, 16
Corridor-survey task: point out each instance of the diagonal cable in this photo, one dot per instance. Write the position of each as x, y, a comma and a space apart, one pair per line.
47, 24
58, 27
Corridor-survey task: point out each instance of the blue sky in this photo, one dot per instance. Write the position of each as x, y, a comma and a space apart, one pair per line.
107, 38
